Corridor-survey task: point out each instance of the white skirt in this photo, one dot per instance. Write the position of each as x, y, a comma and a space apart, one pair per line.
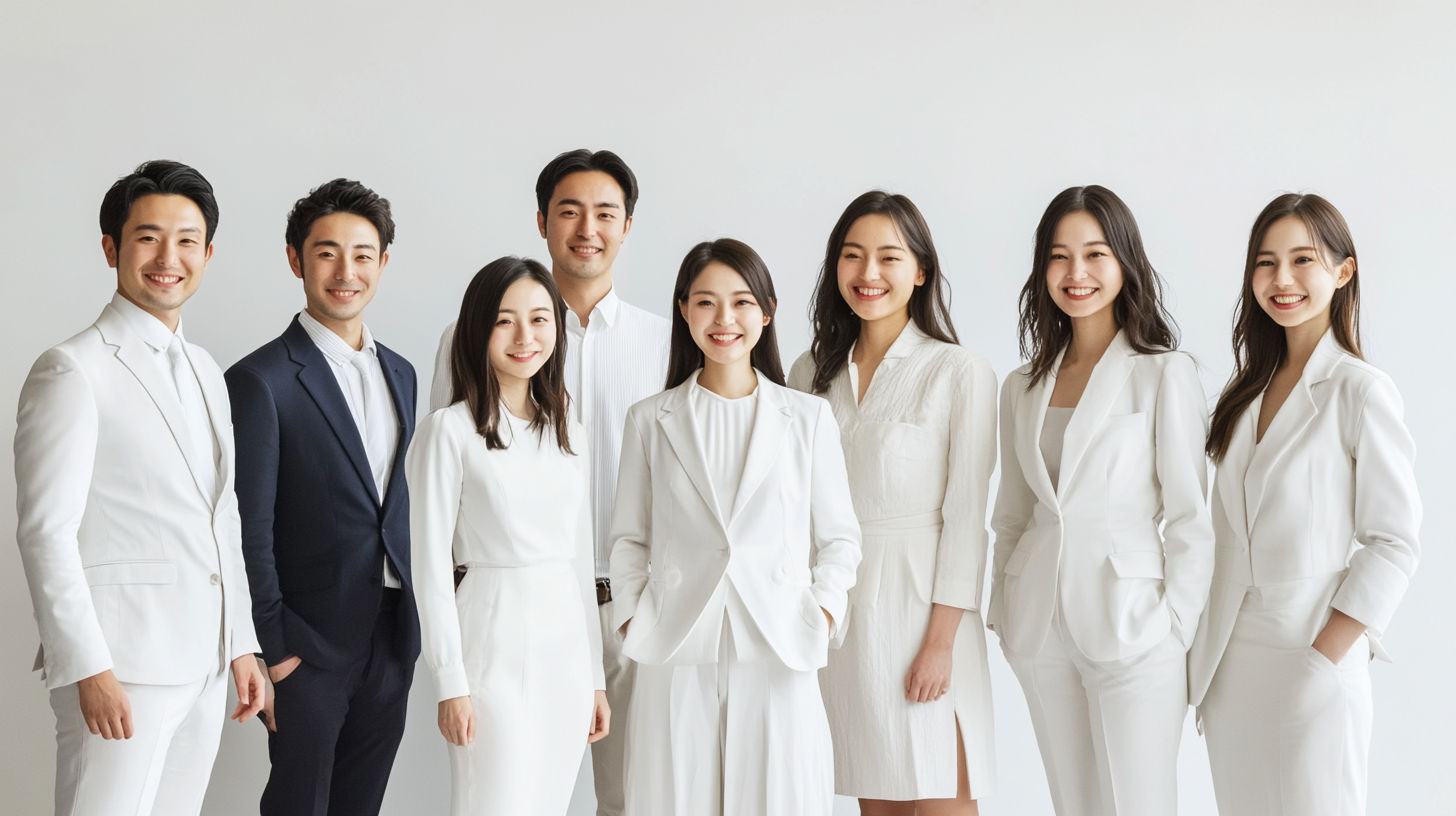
528, 661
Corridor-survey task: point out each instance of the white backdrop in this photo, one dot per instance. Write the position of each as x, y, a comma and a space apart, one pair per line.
758, 120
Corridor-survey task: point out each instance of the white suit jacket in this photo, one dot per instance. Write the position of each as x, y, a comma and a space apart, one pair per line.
671, 549
1327, 502
131, 566
1124, 542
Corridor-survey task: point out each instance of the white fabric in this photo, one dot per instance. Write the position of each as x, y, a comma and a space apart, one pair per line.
724, 429
1123, 544
920, 449
609, 753
728, 738
619, 359
1053, 432
361, 377
133, 565
794, 494
1108, 730
162, 770
1331, 487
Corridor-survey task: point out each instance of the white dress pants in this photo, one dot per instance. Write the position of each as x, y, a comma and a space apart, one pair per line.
1288, 731
1108, 730
161, 771
729, 739
609, 753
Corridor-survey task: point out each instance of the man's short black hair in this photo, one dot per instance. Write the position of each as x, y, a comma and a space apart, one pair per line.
582, 161
339, 195
157, 177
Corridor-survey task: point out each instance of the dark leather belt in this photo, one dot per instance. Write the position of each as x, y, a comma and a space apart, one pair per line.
604, 591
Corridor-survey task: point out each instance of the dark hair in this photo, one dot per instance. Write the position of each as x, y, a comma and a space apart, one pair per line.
1260, 345
585, 161
685, 357
339, 195
1139, 311
836, 326
472, 377
157, 177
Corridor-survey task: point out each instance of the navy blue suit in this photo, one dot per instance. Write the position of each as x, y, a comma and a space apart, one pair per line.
315, 535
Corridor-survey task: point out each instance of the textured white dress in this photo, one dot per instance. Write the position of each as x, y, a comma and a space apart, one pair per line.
920, 450
520, 636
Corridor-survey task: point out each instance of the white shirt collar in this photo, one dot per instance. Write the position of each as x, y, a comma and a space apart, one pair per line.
606, 309
332, 345
144, 324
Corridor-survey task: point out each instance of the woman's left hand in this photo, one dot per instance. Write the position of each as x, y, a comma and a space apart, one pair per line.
1335, 640
929, 676
601, 718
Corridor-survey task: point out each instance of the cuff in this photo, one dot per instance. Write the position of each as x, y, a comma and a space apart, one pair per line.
960, 594
1372, 591
450, 682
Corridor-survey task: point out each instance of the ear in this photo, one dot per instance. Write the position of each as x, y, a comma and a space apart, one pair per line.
108, 246
541, 223
383, 259
207, 259
682, 306
919, 276
773, 305
1345, 273
295, 263
626, 227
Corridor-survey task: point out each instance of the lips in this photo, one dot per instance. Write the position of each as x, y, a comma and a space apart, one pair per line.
870, 292
523, 357
345, 295
1079, 292
724, 339
1286, 302
165, 281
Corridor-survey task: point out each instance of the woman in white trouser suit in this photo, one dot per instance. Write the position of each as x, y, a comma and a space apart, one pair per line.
498, 487
1316, 515
727, 478
1104, 550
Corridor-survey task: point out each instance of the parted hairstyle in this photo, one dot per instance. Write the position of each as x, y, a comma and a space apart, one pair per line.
339, 195
1139, 311
1260, 345
585, 161
684, 356
157, 177
836, 326
472, 377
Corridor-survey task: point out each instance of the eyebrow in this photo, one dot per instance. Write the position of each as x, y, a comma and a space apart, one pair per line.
1295, 249
1089, 243
325, 242
886, 246
739, 292
574, 203
159, 228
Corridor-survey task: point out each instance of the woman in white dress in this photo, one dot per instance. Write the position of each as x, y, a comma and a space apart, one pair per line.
908, 693
734, 544
1316, 516
498, 490
1104, 549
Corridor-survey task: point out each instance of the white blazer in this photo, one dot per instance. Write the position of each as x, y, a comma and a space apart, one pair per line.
1124, 542
671, 549
1323, 511
132, 567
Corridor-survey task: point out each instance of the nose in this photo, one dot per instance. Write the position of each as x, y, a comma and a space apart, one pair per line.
1282, 276
1079, 269
586, 226
725, 315
167, 255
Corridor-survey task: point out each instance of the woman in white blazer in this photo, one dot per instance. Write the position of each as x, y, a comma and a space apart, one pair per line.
1104, 548
498, 490
1316, 517
909, 692
734, 545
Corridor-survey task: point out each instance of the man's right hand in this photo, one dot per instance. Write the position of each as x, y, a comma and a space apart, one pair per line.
277, 672
105, 707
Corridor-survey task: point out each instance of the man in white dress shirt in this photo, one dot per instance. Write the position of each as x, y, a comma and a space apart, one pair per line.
128, 525
616, 356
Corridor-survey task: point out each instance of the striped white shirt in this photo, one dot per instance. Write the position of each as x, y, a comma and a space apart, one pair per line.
620, 358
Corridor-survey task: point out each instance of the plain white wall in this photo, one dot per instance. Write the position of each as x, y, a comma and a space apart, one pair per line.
758, 120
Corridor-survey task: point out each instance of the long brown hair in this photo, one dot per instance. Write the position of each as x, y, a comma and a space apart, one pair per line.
684, 356
836, 326
472, 377
1139, 311
1260, 345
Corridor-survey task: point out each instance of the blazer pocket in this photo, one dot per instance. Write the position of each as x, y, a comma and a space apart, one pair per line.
1137, 564
131, 572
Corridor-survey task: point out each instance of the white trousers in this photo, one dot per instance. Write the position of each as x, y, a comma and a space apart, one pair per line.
161, 771
729, 739
609, 754
1288, 731
1108, 730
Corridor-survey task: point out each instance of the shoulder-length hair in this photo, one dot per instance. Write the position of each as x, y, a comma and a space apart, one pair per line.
1260, 346
685, 357
472, 377
1139, 311
836, 326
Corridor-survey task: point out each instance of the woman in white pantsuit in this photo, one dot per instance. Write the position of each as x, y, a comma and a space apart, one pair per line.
917, 416
498, 488
1316, 515
727, 479
1104, 548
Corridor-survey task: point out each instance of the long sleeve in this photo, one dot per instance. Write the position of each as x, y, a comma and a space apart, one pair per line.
1014, 498
436, 474
1180, 428
1387, 511
631, 536
55, 446
442, 385
961, 554
835, 527
584, 563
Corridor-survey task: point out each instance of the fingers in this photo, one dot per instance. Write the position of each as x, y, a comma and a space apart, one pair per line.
125, 719
470, 729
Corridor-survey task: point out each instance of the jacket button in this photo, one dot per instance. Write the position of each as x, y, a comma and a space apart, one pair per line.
214, 580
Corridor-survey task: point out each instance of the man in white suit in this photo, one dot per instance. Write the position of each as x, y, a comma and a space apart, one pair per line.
128, 526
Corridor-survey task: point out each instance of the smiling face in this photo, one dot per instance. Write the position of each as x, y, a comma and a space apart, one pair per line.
724, 317
1291, 280
162, 254
525, 333
586, 226
877, 272
1082, 275
340, 266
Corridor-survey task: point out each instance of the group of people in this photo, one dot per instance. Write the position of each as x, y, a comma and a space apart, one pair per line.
747, 591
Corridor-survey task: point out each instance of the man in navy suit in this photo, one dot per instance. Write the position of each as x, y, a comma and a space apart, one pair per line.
322, 417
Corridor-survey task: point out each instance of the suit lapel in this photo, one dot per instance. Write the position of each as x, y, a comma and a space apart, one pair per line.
1106, 382
214, 398
394, 378
319, 381
1028, 440
1289, 423
771, 419
681, 429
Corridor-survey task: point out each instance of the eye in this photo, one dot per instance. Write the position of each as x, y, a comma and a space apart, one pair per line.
1058, 256
606, 216
540, 319
850, 254
890, 259
1096, 254
745, 302
504, 321
1304, 259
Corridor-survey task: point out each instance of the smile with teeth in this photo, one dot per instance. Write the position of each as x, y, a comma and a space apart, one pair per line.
869, 292
521, 356
1079, 291
1288, 299
724, 339
343, 294
586, 250
164, 280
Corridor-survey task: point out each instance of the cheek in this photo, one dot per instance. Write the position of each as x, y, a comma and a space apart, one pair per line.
1109, 275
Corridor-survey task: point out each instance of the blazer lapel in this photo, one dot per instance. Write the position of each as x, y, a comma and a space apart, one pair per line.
394, 378
681, 430
321, 384
1289, 423
771, 419
1028, 441
1234, 469
215, 396
1106, 382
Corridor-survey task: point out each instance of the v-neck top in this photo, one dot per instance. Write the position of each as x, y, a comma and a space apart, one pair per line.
1053, 433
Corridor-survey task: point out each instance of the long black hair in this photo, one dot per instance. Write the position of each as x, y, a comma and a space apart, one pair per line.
685, 357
